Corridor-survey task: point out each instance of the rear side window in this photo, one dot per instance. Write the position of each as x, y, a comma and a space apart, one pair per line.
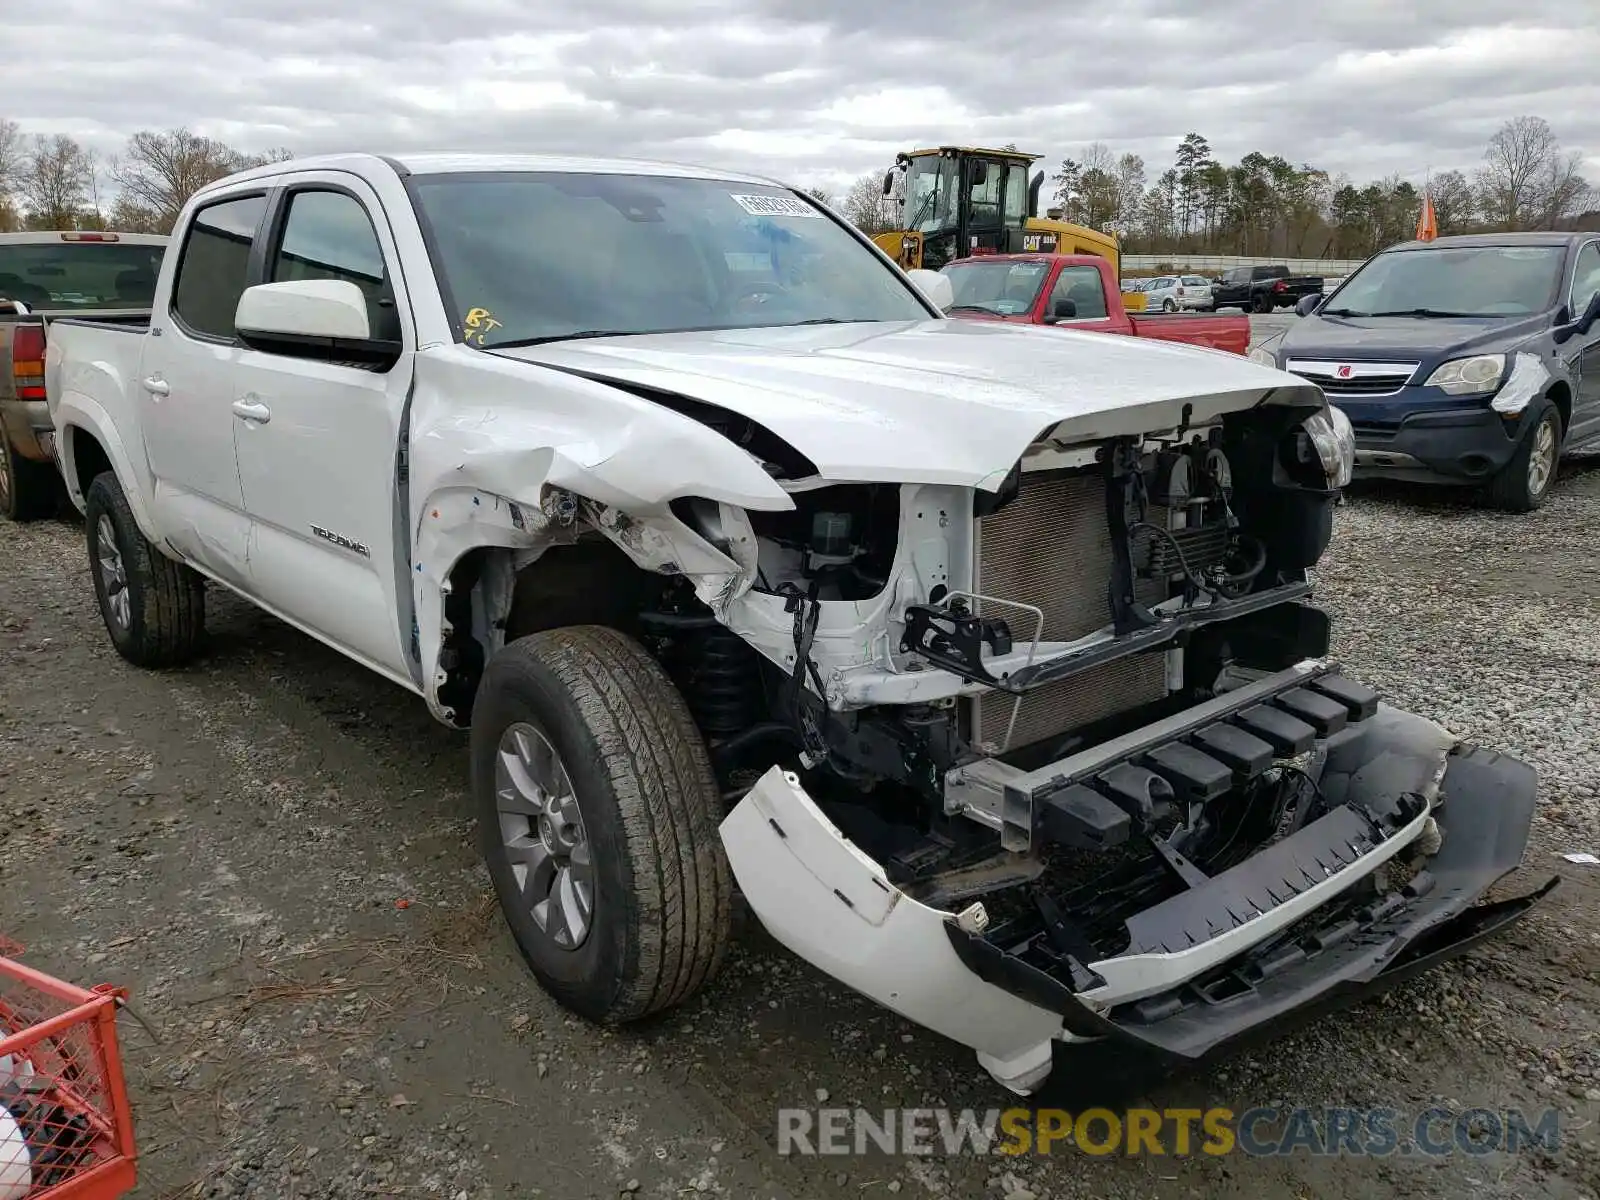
215, 266
328, 235
62, 276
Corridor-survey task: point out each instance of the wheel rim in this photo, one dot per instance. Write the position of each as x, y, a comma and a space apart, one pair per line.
113, 574
542, 832
1542, 462
5, 472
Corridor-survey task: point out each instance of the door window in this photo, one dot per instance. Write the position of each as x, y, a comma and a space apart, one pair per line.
328, 235
1082, 286
1586, 279
216, 265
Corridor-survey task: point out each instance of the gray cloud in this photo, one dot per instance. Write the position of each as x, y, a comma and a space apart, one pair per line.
816, 91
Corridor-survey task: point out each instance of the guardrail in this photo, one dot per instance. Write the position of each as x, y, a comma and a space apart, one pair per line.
1217, 263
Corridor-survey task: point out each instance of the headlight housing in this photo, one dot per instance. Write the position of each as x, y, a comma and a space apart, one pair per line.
1335, 443
1469, 376
1264, 356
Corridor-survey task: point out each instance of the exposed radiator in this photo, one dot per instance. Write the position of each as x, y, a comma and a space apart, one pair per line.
1051, 547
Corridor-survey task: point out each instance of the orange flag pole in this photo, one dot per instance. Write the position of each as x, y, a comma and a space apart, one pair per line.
1427, 223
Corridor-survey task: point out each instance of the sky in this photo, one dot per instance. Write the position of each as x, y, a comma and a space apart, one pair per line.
816, 92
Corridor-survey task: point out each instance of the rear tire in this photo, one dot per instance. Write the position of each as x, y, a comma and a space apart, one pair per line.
585, 760
1168, 306
154, 608
29, 490
1263, 303
1526, 480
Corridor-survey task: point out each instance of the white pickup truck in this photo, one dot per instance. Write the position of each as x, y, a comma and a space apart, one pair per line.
980, 658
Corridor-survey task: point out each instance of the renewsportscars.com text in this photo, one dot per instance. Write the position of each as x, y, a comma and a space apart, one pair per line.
1259, 1132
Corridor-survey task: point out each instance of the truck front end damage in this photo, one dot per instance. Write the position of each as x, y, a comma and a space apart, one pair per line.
1028, 731
1072, 761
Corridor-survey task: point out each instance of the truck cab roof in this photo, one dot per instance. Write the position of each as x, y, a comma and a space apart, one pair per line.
452, 162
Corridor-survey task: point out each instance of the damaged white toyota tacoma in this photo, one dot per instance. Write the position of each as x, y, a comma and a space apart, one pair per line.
980, 658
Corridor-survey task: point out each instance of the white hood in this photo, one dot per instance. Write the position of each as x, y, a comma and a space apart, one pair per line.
937, 401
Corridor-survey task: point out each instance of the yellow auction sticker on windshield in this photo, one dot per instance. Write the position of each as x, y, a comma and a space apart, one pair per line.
479, 322
774, 206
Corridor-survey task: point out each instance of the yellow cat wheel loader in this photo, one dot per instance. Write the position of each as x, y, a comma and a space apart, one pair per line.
959, 201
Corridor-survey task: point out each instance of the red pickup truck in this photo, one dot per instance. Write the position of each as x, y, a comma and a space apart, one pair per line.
1077, 291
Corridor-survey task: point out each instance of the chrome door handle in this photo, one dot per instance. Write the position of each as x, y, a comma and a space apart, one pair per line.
156, 387
252, 411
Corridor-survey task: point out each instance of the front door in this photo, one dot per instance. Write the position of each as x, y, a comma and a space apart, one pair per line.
184, 391
317, 441
1583, 351
1083, 286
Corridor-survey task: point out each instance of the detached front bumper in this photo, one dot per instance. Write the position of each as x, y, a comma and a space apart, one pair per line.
1285, 934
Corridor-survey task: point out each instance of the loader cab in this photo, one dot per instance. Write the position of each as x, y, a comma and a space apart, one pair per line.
958, 201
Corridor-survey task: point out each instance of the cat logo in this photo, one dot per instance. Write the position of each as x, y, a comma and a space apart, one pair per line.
1038, 243
339, 539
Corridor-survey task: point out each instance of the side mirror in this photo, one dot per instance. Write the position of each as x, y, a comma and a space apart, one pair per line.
935, 285
978, 173
1064, 310
311, 318
888, 181
1582, 325
1307, 305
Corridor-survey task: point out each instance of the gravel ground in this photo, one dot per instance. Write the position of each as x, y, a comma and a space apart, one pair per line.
271, 850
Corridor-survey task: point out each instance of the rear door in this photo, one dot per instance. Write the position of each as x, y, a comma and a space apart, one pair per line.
185, 388
317, 440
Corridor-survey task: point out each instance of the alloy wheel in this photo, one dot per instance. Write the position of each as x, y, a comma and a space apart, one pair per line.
543, 834
113, 574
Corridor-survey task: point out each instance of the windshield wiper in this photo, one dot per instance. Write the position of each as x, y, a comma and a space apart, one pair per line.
975, 308
1420, 312
1342, 312
515, 343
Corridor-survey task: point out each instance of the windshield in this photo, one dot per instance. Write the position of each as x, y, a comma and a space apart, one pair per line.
533, 256
1005, 288
68, 275
1471, 281
930, 194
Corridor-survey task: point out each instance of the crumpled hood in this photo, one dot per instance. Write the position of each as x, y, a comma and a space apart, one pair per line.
936, 401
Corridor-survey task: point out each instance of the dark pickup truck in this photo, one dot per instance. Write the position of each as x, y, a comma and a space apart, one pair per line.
1466, 360
45, 275
1262, 289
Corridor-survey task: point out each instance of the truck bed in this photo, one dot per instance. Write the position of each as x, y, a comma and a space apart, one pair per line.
1219, 333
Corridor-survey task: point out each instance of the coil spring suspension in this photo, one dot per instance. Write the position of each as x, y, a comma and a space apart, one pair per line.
717, 672
723, 684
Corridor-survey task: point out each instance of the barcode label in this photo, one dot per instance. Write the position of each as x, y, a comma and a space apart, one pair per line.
774, 206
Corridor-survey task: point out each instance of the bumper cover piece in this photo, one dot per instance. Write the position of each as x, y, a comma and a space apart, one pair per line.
1332, 959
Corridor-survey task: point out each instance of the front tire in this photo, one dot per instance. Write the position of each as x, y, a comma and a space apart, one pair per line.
597, 815
1525, 481
153, 608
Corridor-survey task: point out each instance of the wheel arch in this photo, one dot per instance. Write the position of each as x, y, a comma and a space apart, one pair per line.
90, 442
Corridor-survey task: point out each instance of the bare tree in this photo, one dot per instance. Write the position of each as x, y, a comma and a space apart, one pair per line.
1455, 207
1563, 191
819, 194
1516, 165
863, 204
11, 162
12, 156
160, 171
55, 180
